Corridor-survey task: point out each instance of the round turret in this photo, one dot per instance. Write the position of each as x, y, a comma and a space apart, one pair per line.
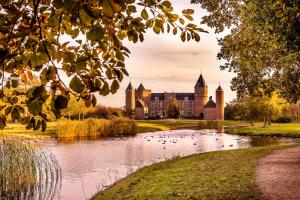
130, 98
220, 103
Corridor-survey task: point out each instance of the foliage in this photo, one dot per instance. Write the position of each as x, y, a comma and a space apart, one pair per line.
105, 112
262, 47
26, 173
293, 111
77, 109
81, 40
282, 120
173, 109
94, 128
256, 108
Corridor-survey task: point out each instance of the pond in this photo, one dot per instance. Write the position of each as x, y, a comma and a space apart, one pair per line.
89, 166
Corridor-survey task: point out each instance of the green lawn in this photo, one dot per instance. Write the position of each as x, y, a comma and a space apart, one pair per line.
171, 124
165, 124
214, 175
19, 130
285, 130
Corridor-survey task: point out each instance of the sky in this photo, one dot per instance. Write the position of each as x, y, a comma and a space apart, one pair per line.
164, 63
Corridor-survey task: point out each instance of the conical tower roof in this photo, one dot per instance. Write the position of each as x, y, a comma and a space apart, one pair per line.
141, 87
219, 88
200, 81
129, 87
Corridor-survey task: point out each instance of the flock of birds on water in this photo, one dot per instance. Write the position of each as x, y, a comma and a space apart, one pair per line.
163, 139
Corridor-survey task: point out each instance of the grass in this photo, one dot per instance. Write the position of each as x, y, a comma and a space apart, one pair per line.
213, 175
26, 173
19, 130
94, 128
281, 130
173, 124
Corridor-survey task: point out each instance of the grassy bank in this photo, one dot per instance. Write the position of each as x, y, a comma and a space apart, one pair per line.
165, 124
19, 130
173, 124
282, 130
214, 175
94, 128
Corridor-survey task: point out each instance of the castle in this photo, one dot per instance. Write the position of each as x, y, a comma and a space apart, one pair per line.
142, 103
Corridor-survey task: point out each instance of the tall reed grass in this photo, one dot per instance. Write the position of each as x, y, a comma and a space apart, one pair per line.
95, 128
26, 173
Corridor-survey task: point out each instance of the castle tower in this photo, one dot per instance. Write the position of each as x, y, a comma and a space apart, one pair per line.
130, 98
139, 92
220, 103
143, 94
201, 97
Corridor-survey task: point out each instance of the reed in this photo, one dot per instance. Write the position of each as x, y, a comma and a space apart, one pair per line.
95, 128
27, 173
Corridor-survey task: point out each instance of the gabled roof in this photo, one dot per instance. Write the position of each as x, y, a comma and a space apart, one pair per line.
140, 104
210, 103
129, 87
219, 88
200, 82
141, 87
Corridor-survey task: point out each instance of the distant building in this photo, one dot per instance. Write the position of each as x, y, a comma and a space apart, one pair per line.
142, 103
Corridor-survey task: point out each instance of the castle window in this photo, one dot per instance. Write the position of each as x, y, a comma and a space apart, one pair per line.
186, 98
156, 98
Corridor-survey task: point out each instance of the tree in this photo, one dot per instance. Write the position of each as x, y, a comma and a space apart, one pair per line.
173, 109
257, 108
93, 54
262, 47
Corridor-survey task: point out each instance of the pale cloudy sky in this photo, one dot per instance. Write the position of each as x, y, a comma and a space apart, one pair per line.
164, 63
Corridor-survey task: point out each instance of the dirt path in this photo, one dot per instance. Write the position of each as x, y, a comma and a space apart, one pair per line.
278, 175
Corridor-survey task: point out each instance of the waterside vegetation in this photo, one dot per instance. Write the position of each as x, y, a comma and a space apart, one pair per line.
26, 173
95, 128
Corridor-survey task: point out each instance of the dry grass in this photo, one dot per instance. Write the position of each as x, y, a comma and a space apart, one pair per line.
26, 173
95, 128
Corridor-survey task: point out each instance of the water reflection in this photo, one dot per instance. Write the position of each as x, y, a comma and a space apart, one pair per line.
91, 166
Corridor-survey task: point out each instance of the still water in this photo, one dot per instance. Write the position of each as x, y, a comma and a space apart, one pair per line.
89, 166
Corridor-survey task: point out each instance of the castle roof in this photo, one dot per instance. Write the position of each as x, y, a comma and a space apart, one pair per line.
181, 96
219, 88
210, 103
129, 87
140, 104
200, 82
141, 87
161, 96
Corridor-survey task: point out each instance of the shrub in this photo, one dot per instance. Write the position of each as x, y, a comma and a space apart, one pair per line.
282, 120
95, 128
